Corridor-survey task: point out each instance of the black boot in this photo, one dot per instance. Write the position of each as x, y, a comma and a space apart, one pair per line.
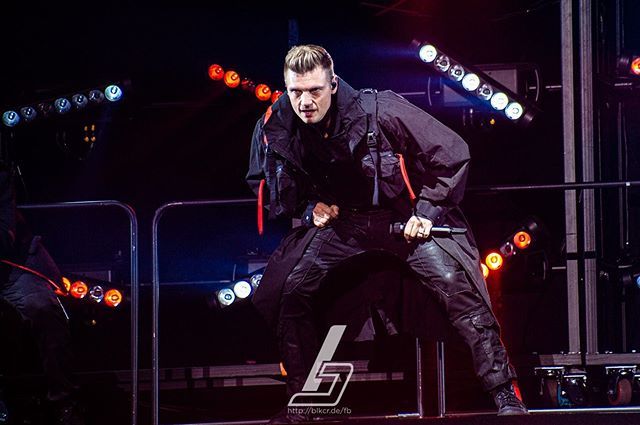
507, 402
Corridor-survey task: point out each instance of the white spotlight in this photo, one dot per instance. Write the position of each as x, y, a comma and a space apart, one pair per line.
226, 297
428, 53
499, 101
514, 110
470, 82
242, 289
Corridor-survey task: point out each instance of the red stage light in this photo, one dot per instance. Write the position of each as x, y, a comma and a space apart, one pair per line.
112, 298
635, 66
79, 289
493, 261
275, 95
263, 92
522, 240
216, 72
247, 84
232, 79
485, 270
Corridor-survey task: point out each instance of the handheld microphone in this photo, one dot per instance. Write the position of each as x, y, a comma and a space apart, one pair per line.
398, 229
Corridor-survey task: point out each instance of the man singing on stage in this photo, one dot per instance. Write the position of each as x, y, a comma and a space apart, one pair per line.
352, 163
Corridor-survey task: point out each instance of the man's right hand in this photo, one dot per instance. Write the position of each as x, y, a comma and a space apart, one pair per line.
323, 214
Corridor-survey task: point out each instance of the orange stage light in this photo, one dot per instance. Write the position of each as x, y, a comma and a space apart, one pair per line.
232, 79
493, 261
79, 289
263, 92
112, 298
216, 72
522, 239
635, 66
66, 283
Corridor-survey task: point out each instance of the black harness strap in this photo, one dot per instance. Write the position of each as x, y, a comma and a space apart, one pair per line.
371, 109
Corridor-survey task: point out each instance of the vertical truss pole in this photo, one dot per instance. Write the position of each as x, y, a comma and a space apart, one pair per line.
571, 218
588, 174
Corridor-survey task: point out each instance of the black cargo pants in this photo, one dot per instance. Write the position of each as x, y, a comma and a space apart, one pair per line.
443, 276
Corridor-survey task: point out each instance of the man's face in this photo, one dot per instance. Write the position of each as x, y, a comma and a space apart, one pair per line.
310, 94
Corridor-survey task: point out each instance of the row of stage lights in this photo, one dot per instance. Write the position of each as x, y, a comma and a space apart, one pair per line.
476, 83
61, 105
233, 80
98, 294
238, 291
519, 241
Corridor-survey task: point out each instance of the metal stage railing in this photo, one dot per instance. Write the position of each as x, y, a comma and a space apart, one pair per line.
575, 325
134, 274
155, 365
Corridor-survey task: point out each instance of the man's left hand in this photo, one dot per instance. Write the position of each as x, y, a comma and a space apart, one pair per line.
417, 227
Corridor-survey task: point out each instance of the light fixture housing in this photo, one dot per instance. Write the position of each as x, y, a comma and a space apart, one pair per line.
225, 297
469, 79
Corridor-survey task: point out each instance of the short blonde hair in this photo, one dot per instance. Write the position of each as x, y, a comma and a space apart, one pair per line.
307, 57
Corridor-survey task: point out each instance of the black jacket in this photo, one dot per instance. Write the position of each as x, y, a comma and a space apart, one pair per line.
437, 161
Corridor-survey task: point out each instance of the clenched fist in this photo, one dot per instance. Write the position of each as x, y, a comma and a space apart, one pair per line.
323, 214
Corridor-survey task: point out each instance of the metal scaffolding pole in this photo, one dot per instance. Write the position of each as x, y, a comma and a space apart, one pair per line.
588, 174
571, 217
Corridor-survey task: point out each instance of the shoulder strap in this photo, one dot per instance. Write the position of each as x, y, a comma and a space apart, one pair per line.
370, 106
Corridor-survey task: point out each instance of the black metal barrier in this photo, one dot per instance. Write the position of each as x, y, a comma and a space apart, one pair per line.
572, 359
156, 289
134, 275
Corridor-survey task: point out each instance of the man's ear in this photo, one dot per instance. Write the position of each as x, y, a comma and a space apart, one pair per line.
334, 85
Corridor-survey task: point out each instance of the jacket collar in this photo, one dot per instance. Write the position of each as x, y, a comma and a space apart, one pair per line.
351, 122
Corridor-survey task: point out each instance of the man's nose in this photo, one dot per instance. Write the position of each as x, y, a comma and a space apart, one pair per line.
305, 99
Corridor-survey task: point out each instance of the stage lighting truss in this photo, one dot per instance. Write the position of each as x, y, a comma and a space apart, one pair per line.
520, 240
474, 83
233, 79
62, 105
238, 291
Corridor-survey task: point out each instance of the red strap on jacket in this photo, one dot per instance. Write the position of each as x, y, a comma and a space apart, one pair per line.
55, 286
405, 177
260, 217
260, 208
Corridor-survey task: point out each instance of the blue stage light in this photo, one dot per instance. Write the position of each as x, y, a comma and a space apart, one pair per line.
10, 118
79, 101
96, 96
113, 93
28, 113
62, 105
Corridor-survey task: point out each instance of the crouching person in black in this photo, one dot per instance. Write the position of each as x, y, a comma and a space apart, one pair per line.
354, 162
34, 299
